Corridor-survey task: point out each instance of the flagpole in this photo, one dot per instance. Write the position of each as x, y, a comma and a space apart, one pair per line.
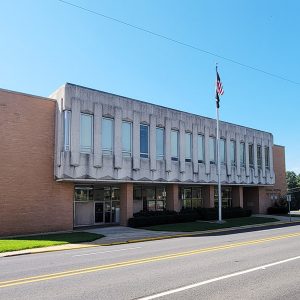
218, 159
219, 167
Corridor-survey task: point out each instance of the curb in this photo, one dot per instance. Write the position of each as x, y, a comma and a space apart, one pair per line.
191, 234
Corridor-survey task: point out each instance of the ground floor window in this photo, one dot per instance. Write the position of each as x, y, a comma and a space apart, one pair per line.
96, 205
226, 196
191, 197
153, 197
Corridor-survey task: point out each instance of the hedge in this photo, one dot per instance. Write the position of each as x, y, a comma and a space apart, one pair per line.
150, 218
277, 210
144, 221
208, 214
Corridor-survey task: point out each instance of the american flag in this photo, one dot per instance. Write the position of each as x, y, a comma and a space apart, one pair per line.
219, 89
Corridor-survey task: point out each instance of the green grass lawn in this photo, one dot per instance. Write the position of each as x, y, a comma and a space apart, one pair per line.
37, 241
205, 225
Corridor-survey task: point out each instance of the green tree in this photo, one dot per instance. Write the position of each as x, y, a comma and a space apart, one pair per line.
293, 180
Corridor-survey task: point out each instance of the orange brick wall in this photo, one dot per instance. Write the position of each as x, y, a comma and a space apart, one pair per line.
279, 169
30, 200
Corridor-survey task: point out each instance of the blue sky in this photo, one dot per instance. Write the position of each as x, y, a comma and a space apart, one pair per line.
47, 43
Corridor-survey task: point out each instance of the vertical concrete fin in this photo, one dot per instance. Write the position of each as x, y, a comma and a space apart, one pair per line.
75, 132
237, 151
206, 143
136, 141
168, 144
195, 149
152, 140
228, 160
97, 135
118, 158
182, 146
271, 158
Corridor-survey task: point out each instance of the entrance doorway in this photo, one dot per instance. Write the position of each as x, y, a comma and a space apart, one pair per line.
95, 205
99, 212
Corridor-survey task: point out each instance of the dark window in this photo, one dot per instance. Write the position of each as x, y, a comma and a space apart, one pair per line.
144, 141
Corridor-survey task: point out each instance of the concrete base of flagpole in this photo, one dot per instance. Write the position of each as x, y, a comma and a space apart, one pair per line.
220, 222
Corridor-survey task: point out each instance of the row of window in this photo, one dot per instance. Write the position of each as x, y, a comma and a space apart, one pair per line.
86, 142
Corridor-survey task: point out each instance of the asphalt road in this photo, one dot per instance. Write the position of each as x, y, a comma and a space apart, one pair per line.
261, 264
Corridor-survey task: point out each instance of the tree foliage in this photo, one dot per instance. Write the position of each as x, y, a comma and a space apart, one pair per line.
293, 180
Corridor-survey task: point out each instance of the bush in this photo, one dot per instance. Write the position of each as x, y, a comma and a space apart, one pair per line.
149, 220
145, 213
227, 213
277, 210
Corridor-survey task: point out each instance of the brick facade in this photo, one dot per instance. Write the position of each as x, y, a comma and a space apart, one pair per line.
30, 200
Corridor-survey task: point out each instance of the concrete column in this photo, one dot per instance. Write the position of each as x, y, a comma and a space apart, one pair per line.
271, 159
195, 148
97, 135
237, 196
206, 146
75, 132
173, 201
228, 161
182, 146
136, 141
126, 202
255, 157
152, 146
118, 161
208, 196
168, 145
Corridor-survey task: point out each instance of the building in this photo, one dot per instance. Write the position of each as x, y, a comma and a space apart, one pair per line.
84, 157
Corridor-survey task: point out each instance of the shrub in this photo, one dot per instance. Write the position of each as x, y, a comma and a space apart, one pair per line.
277, 210
159, 219
227, 213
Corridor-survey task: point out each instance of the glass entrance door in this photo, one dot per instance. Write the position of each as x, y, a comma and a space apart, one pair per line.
99, 212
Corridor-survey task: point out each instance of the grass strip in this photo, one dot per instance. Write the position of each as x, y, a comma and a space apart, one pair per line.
46, 240
210, 225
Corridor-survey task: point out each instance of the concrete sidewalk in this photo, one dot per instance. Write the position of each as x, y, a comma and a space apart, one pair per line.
120, 234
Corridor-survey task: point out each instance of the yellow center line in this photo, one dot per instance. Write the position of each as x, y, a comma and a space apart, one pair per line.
50, 276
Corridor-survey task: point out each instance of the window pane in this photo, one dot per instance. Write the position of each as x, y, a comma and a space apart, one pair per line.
174, 145
107, 135
83, 194
67, 129
232, 152
188, 146
259, 156
86, 133
267, 157
222, 151
251, 161
144, 141
126, 138
200, 148
212, 149
242, 154
159, 143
